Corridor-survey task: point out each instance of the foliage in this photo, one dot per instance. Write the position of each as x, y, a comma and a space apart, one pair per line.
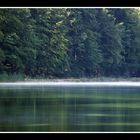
69, 42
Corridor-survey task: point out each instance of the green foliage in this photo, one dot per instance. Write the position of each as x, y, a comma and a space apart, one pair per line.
130, 40
2, 59
69, 42
84, 52
50, 41
11, 77
110, 42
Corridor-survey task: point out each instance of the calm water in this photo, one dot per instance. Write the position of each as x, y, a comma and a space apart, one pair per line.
59, 108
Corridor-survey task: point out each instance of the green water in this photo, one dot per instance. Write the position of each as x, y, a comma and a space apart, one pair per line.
70, 109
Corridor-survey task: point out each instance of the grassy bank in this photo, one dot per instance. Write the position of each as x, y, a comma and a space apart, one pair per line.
19, 77
99, 79
11, 77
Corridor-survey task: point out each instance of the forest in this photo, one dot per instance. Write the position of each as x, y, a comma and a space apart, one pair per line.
70, 42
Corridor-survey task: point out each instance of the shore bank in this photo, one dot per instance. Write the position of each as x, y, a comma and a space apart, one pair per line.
71, 79
101, 79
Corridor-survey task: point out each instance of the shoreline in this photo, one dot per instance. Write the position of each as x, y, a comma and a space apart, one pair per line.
99, 79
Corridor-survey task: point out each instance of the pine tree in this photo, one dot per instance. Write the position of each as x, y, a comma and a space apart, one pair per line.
50, 40
110, 42
84, 50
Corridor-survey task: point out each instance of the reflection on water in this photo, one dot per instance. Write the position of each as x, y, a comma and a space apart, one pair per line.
69, 108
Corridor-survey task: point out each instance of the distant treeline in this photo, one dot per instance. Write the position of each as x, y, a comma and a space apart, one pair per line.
70, 42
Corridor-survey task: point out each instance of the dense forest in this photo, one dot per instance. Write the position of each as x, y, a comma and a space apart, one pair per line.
70, 42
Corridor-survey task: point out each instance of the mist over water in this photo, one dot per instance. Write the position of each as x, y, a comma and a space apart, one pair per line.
124, 84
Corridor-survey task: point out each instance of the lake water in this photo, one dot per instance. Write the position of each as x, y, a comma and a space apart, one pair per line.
69, 108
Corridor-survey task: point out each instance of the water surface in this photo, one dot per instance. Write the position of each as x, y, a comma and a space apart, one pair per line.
69, 108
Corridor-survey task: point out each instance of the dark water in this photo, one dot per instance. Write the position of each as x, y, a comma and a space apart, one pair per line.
70, 109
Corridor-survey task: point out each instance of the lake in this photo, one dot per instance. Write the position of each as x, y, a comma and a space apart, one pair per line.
69, 108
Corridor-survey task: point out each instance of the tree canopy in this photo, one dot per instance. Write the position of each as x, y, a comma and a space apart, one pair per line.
70, 42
